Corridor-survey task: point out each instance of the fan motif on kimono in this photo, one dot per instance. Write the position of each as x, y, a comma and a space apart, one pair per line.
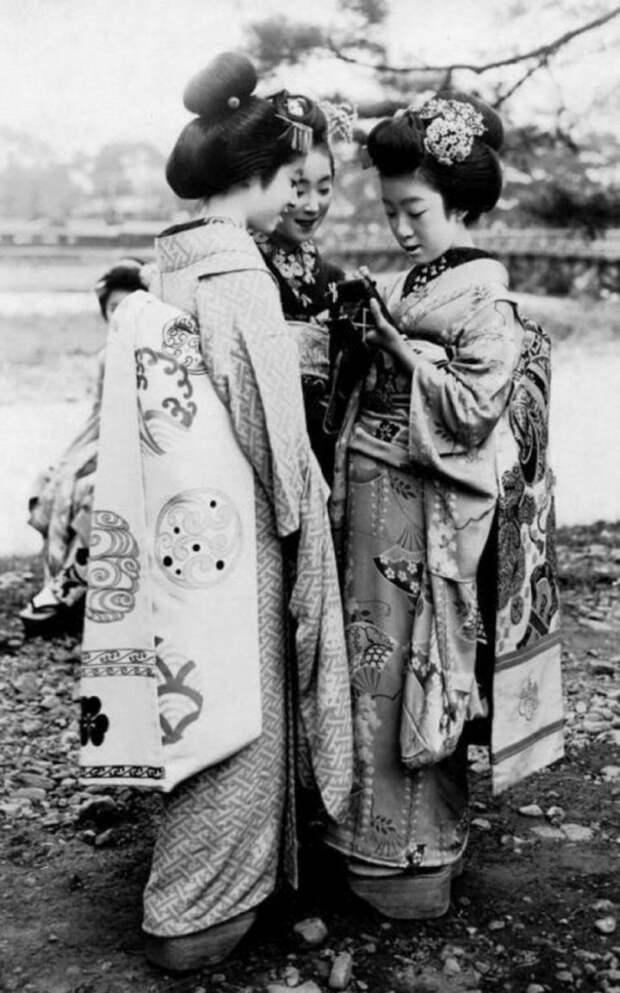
369, 649
402, 568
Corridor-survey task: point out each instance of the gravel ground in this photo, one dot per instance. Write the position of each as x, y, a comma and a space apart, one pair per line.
535, 910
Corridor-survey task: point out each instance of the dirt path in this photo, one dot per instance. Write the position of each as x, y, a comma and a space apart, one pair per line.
524, 914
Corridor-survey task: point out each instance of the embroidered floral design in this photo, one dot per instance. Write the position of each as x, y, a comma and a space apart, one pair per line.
517, 508
387, 841
93, 724
114, 568
197, 538
528, 699
530, 401
298, 265
366, 723
402, 568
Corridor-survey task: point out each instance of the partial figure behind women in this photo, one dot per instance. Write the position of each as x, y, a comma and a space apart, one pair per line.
60, 505
443, 509
188, 587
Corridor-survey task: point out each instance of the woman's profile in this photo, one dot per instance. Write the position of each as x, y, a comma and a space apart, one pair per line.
443, 509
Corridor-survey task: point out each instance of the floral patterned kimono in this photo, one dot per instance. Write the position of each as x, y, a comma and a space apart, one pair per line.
60, 507
303, 278
427, 474
225, 828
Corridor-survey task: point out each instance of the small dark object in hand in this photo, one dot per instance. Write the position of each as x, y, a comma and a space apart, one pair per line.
350, 354
351, 309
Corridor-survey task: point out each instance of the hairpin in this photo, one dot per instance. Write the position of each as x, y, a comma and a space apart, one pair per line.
289, 108
299, 135
340, 119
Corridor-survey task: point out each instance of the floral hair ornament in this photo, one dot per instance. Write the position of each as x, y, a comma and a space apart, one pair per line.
292, 109
340, 118
453, 127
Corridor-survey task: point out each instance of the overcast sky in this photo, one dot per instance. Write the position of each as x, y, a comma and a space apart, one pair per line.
78, 73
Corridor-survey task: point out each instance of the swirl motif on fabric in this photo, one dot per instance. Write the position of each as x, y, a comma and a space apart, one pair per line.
181, 341
198, 538
114, 571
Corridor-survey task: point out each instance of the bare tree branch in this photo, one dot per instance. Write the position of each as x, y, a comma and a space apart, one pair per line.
542, 53
519, 83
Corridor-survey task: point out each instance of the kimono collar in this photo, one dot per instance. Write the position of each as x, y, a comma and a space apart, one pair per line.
442, 300
296, 264
218, 244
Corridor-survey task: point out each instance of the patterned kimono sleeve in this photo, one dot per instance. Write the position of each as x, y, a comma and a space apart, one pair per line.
251, 357
456, 404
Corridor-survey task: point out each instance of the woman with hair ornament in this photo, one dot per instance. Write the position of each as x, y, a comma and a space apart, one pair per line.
212, 536
305, 278
443, 514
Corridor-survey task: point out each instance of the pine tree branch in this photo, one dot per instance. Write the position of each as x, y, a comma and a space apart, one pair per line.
542, 53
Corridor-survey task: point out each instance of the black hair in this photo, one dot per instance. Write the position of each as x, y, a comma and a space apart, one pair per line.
124, 275
315, 118
396, 147
235, 137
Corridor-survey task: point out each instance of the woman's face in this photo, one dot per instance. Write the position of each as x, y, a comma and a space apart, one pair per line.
315, 188
418, 218
267, 203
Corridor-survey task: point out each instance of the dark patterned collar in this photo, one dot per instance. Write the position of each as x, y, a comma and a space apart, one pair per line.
420, 275
296, 264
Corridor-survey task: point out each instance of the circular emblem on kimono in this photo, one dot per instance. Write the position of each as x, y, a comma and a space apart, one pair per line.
197, 538
181, 340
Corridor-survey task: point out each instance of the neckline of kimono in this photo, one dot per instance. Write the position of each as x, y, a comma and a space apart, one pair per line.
199, 222
420, 275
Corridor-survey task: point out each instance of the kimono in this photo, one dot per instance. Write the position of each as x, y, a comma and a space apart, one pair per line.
447, 563
60, 507
209, 701
304, 280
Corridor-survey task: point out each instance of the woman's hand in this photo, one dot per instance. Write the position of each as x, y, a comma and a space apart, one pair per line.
388, 337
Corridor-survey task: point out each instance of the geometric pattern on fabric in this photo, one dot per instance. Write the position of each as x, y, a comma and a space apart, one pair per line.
252, 362
220, 842
218, 845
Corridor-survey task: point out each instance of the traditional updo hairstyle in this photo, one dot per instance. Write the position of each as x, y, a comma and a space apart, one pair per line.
315, 118
124, 275
396, 146
235, 137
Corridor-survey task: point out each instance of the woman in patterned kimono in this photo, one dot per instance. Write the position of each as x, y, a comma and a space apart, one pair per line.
304, 277
441, 506
60, 506
228, 827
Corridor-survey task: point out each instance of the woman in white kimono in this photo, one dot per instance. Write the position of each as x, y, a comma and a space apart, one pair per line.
228, 827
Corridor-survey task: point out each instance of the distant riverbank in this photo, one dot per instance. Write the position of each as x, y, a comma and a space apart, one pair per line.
49, 341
